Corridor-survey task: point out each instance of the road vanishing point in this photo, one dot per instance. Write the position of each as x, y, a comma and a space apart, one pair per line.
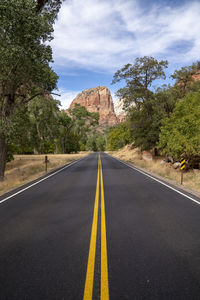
99, 229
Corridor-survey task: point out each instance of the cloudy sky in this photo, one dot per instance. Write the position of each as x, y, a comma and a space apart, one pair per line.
94, 38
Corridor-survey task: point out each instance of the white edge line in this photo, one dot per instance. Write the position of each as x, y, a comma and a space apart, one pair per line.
170, 187
28, 187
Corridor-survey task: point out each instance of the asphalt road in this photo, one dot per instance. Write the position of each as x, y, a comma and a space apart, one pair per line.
99, 228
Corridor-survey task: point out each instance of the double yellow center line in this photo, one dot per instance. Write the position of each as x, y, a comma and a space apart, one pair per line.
88, 292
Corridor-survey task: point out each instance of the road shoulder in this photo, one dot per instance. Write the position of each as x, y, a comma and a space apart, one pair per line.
172, 183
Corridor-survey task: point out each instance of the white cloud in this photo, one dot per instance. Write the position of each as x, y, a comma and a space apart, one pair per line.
66, 97
106, 34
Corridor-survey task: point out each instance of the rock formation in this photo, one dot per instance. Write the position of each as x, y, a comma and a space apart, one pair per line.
120, 113
98, 100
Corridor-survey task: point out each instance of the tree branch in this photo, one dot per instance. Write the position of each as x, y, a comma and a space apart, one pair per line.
55, 94
38, 94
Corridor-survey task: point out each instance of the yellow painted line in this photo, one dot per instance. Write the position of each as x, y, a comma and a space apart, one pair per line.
88, 291
104, 259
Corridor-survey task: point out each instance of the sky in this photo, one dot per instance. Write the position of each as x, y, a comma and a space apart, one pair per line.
95, 38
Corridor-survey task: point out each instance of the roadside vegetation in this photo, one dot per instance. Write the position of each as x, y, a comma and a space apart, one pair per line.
165, 122
25, 168
157, 167
31, 121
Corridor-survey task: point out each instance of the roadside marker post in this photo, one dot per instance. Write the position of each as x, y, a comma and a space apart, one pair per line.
182, 168
46, 162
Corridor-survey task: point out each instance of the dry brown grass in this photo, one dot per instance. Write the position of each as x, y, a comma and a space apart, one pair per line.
25, 168
133, 156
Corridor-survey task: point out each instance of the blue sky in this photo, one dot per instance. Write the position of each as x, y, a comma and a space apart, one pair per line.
94, 38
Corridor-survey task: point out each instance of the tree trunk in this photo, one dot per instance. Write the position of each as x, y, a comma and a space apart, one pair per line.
3, 155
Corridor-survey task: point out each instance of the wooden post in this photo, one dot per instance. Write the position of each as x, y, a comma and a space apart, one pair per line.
46, 162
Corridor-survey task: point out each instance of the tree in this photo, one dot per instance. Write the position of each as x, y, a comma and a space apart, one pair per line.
83, 121
19, 139
140, 101
26, 27
139, 78
96, 142
119, 136
180, 133
101, 142
145, 123
43, 114
64, 138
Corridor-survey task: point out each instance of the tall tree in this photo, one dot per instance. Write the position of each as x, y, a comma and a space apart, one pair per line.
139, 78
65, 133
26, 27
139, 98
44, 118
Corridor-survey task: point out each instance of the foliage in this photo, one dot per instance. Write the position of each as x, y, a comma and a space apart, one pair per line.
24, 52
139, 78
26, 28
183, 77
73, 143
43, 113
84, 121
118, 137
141, 103
146, 122
180, 133
65, 125
96, 142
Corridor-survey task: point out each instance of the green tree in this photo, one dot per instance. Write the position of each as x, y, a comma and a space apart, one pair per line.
91, 143
19, 140
73, 143
26, 27
44, 114
84, 121
118, 137
146, 122
140, 100
180, 133
139, 78
101, 142
68, 140
96, 142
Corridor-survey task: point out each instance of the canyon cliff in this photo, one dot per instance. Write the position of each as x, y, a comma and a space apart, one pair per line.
120, 113
99, 100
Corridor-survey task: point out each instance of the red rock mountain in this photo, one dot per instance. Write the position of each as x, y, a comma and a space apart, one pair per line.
98, 100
